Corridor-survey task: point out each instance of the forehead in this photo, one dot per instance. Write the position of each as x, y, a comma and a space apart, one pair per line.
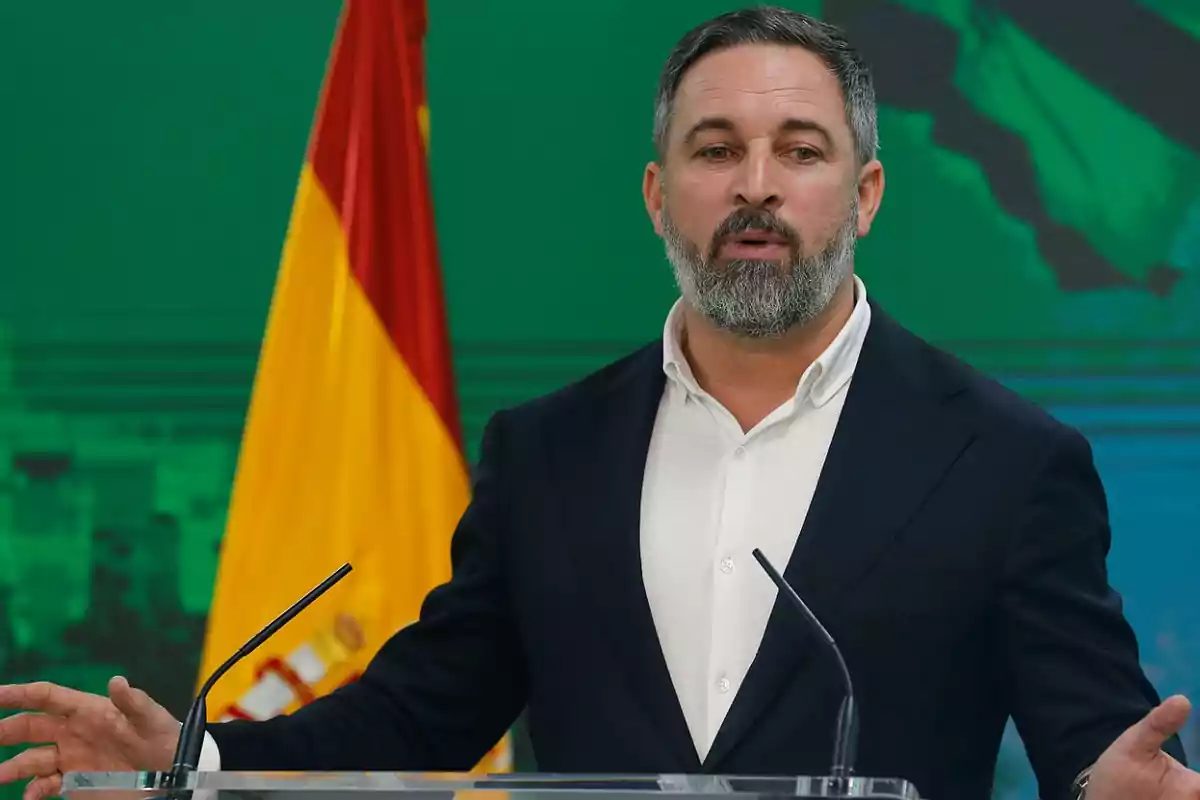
755, 85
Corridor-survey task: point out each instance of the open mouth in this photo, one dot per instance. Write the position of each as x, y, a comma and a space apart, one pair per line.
751, 243
759, 238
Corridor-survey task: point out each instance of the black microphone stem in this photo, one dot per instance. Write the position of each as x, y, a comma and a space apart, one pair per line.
191, 735
846, 738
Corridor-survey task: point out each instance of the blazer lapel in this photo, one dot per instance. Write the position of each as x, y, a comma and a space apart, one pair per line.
601, 480
891, 448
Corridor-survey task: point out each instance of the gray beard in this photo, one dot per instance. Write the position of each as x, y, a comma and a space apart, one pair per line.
760, 299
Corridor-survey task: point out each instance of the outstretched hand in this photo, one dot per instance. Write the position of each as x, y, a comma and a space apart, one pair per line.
79, 732
1135, 767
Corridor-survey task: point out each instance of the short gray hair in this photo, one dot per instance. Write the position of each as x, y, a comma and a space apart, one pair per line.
772, 25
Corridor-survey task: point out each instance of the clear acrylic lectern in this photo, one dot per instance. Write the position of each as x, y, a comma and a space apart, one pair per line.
471, 786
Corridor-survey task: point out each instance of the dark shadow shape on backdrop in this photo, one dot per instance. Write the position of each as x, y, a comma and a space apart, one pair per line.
913, 58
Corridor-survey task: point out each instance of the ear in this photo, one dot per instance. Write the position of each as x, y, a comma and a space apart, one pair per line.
652, 194
870, 195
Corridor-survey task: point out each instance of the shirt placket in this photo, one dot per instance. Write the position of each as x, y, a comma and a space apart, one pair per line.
723, 660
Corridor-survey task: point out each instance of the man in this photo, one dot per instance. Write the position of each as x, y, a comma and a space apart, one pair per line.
950, 536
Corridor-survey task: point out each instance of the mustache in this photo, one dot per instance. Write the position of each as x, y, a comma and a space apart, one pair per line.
753, 219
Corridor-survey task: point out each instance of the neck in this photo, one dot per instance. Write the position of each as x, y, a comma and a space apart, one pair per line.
751, 377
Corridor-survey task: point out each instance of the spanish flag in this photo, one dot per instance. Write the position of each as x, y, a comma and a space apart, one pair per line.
352, 448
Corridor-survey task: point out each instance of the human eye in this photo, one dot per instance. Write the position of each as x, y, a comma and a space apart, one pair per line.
804, 154
715, 153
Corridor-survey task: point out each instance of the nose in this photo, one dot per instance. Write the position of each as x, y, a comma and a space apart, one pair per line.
756, 183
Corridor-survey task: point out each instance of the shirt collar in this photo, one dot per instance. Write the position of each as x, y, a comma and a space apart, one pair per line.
823, 378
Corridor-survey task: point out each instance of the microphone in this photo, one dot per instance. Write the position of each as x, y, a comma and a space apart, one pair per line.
846, 738
191, 736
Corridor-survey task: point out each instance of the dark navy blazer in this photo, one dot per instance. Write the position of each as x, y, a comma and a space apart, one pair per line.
955, 548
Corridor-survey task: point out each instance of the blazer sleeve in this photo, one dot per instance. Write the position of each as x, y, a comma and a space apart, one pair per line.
1072, 661
440, 692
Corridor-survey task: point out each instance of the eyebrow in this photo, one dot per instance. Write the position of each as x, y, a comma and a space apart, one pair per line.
708, 124
790, 125
793, 125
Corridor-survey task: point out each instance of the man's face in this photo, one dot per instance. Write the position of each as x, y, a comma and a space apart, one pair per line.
760, 197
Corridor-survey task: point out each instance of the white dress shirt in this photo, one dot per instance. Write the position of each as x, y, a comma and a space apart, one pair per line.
711, 494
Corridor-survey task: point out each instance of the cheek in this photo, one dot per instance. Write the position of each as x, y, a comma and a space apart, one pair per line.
698, 205
817, 211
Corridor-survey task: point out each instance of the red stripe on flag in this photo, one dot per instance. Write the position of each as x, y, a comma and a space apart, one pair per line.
368, 153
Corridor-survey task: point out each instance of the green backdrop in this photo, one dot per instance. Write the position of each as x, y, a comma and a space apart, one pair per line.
1042, 219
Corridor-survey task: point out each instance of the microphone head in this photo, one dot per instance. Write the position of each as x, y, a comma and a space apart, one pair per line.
766, 565
787, 591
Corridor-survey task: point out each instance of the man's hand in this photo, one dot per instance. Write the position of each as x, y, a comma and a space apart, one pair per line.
80, 732
1135, 766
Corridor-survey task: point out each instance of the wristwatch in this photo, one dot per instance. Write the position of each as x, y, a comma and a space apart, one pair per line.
1080, 784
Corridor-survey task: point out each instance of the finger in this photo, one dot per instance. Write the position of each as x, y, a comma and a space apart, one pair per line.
42, 696
41, 788
1147, 737
40, 762
29, 728
136, 705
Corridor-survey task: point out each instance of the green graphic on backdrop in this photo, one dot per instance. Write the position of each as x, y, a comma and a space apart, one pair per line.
1042, 219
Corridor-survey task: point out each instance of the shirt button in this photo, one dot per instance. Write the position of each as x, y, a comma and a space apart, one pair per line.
739, 453
723, 685
727, 565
